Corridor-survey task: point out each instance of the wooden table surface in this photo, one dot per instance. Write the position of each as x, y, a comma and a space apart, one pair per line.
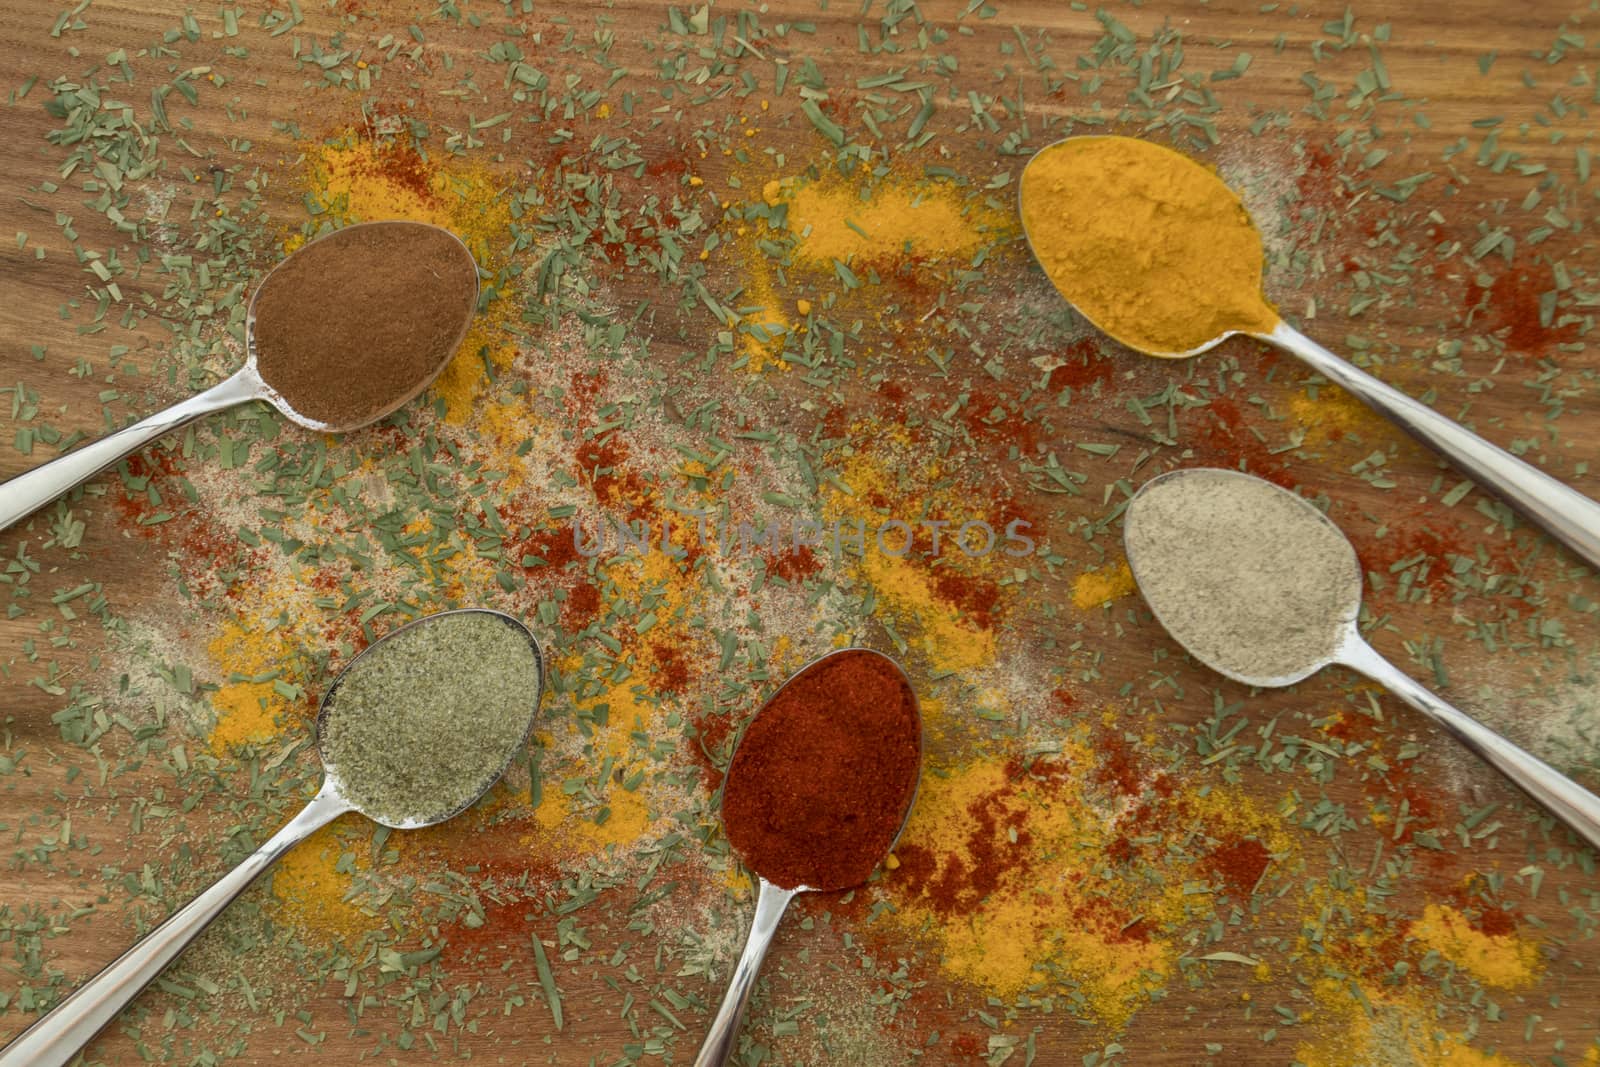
1118, 857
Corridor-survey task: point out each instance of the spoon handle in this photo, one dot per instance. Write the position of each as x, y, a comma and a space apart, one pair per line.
1548, 787
55, 1039
1569, 516
31, 490
771, 903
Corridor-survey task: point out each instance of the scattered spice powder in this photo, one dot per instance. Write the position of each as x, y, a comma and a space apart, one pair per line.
1502, 960
356, 323
822, 780
1250, 579
423, 722
1130, 232
1102, 585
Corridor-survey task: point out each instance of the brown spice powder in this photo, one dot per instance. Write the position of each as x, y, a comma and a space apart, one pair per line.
357, 323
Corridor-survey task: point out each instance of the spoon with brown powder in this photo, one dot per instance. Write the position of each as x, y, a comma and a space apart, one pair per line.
411, 733
1260, 586
337, 336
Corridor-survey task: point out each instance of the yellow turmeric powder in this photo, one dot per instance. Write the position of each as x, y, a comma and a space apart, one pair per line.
1151, 246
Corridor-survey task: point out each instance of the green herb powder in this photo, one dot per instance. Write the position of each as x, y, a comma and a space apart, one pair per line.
423, 723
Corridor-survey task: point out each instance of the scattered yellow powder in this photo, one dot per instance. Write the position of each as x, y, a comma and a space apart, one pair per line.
624, 815
905, 586
1384, 1028
626, 822
1045, 922
763, 329
1505, 961
247, 712
1096, 587
909, 592
310, 890
504, 427
1332, 414
935, 220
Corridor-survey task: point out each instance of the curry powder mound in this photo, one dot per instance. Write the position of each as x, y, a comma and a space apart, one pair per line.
1150, 245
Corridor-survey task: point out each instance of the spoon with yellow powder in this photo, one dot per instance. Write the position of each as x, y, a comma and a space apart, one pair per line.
1156, 251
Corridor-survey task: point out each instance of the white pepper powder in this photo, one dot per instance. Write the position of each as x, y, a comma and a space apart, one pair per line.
1253, 581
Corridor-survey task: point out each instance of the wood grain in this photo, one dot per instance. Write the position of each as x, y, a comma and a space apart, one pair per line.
1116, 661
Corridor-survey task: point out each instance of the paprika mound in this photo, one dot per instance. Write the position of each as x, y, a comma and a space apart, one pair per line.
825, 774
1150, 245
357, 323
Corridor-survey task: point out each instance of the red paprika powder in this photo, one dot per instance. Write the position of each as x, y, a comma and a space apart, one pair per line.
826, 772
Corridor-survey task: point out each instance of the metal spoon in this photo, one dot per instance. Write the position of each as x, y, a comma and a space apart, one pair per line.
771, 902
1164, 582
1568, 515
59, 1036
27, 492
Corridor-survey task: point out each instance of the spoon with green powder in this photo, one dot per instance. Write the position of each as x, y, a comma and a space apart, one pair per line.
1260, 586
411, 733
338, 335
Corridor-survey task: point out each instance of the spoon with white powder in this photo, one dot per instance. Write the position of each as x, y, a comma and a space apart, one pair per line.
1259, 585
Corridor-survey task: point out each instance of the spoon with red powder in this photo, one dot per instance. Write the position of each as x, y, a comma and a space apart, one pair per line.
337, 336
819, 789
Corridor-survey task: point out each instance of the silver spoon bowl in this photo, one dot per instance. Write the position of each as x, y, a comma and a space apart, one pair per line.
1565, 513
1340, 638
27, 492
773, 900
59, 1036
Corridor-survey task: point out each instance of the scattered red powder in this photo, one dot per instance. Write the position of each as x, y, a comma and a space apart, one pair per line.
1119, 766
1320, 184
978, 598
960, 881
1112, 922
1239, 864
968, 1044
795, 565
833, 425
1496, 922
583, 389
555, 547
671, 673
1408, 537
1513, 306
991, 419
709, 746
582, 606
667, 167
1086, 364
399, 163
1227, 435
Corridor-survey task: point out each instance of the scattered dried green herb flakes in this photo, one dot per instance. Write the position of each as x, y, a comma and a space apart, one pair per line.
168, 219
